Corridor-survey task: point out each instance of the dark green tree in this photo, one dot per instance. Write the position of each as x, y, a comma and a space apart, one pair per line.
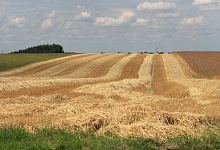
54, 48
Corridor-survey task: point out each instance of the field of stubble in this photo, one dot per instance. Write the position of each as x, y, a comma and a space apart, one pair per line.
145, 95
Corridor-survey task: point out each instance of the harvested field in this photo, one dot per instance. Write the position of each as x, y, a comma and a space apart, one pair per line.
161, 86
43, 67
131, 69
103, 69
128, 94
202, 64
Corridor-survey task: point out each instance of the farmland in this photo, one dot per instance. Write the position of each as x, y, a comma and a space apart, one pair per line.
9, 61
144, 95
203, 64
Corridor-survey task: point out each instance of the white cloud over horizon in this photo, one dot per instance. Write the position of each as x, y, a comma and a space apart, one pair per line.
205, 2
83, 16
156, 6
50, 15
18, 22
192, 21
125, 16
47, 23
140, 20
111, 26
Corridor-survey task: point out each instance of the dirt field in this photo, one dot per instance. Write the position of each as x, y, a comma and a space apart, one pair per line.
204, 64
146, 95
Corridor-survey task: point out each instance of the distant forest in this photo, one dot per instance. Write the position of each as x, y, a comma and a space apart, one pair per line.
54, 48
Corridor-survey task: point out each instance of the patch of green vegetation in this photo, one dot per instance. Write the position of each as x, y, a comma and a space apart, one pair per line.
160, 52
209, 141
150, 89
49, 138
196, 76
11, 61
18, 138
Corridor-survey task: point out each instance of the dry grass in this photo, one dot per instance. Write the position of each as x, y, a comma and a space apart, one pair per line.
160, 84
108, 104
198, 88
120, 116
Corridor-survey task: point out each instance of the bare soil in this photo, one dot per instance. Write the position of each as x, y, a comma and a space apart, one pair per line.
203, 63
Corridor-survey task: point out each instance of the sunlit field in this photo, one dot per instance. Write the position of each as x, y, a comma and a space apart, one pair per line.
9, 61
147, 96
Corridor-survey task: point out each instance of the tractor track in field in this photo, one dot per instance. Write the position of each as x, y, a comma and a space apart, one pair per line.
130, 70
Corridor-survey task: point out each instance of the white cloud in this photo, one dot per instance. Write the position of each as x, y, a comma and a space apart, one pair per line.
80, 7
18, 22
69, 24
168, 15
126, 15
210, 7
205, 2
140, 20
51, 15
47, 23
192, 21
83, 16
156, 6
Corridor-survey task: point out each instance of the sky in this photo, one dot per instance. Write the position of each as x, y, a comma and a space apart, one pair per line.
111, 26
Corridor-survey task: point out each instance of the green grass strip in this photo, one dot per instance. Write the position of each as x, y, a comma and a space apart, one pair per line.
18, 138
11, 61
51, 139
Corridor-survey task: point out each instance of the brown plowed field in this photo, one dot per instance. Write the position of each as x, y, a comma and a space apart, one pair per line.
148, 96
203, 63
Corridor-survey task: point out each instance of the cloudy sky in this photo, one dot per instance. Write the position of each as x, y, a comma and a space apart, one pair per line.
111, 25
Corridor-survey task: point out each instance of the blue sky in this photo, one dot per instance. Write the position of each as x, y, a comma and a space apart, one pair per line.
111, 25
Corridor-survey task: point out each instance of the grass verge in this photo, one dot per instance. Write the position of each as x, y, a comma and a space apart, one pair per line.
11, 61
18, 138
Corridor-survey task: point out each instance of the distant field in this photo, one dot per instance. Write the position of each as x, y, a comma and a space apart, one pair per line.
10, 61
206, 64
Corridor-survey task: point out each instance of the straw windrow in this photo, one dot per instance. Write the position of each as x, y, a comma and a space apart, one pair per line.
111, 103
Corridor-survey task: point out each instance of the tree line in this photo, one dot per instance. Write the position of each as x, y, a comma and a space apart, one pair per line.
54, 48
